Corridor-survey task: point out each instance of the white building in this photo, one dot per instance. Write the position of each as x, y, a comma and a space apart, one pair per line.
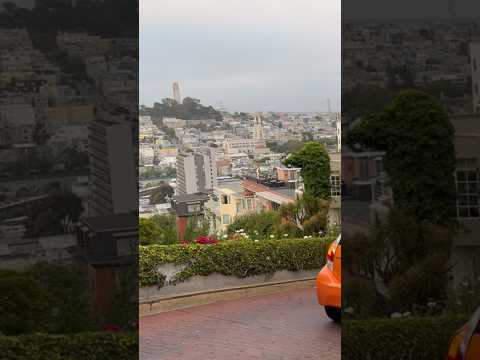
247, 146
112, 168
196, 171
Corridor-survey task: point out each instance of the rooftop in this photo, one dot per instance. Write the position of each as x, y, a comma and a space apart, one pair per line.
114, 222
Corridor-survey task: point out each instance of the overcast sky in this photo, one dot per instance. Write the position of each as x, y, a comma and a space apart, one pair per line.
251, 55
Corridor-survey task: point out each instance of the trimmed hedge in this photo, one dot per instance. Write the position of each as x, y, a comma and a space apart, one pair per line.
411, 338
240, 258
81, 346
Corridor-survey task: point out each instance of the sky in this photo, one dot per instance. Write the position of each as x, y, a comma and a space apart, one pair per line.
248, 55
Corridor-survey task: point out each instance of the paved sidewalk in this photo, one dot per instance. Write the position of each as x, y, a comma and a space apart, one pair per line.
284, 326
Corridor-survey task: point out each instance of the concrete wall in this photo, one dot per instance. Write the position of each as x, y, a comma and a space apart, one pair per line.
214, 282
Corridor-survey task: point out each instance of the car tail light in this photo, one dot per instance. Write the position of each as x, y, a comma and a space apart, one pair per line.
331, 256
455, 351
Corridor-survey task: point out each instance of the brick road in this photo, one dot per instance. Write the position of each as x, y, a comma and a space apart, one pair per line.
284, 326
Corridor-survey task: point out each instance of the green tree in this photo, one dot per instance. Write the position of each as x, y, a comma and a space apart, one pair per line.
159, 229
159, 195
314, 162
70, 309
23, 304
417, 136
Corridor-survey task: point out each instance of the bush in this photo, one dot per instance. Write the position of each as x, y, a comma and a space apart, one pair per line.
81, 346
159, 229
44, 298
416, 338
257, 225
240, 258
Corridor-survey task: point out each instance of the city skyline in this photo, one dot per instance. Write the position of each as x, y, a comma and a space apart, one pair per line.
249, 57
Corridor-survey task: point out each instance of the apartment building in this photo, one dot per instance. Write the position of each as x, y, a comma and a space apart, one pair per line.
112, 168
196, 171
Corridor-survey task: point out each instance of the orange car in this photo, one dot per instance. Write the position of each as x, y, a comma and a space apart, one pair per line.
329, 281
465, 344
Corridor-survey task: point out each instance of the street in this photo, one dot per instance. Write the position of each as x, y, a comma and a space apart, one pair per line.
283, 326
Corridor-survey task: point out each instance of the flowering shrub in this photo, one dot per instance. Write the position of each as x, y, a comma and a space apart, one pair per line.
205, 240
241, 258
111, 328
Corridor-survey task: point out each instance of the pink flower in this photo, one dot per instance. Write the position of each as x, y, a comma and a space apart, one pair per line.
111, 328
204, 240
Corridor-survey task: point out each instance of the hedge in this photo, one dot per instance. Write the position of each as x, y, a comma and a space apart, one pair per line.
240, 258
81, 346
415, 338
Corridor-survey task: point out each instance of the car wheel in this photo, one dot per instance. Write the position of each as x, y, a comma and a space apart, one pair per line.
334, 313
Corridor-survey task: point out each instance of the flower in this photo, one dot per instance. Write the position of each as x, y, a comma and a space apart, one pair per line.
255, 240
285, 235
205, 240
305, 237
396, 315
272, 236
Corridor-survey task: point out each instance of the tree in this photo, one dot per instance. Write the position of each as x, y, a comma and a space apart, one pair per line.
196, 227
160, 194
417, 136
309, 214
159, 229
408, 253
314, 162
23, 304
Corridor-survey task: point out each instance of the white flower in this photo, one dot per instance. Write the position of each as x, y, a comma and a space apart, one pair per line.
396, 315
271, 236
285, 235
349, 310
255, 240
224, 236
305, 237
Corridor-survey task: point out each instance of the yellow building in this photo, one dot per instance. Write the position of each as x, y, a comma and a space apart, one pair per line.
171, 151
232, 204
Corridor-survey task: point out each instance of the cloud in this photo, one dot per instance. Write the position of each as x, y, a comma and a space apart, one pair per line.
251, 55
299, 13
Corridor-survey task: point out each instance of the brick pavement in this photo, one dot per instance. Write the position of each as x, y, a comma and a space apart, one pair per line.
283, 326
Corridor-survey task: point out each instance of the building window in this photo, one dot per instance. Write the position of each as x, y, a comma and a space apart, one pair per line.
226, 219
239, 206
364, 173
467, 181
193, 208
225, 199
124, 247
335, 186
379, 166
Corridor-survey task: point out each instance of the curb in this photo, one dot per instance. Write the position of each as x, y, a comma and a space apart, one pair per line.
188, 300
